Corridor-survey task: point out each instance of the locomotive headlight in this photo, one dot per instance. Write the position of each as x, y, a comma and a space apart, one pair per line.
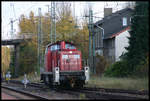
57, 69
56, 74
86, 69
70, 52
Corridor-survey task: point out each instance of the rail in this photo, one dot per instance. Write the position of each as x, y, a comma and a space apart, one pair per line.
24, 92
96, 93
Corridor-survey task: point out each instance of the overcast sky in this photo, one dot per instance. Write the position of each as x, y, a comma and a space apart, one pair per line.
15, 9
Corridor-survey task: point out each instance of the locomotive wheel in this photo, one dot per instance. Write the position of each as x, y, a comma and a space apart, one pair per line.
78, 85
46, 83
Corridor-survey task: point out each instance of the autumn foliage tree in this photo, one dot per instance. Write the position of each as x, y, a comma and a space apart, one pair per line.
65, 30
5, 59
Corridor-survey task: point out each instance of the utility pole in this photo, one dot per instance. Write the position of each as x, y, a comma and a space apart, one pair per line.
75, 19
11, 34
12, 6
48, 8
50, 20
41, 47
53, 23
91, 43
40, 42
12, 29
15, 49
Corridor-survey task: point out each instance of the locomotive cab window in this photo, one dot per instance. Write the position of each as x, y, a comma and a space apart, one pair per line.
76, 56
69, 46
65, 56
54, 47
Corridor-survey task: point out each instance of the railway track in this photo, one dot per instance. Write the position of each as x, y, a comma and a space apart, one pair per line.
96, 93
142, 92
39, 89
101, 94
27, 94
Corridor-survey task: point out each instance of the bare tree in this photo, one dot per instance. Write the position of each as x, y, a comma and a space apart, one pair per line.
86, 13
130, 5
63, 9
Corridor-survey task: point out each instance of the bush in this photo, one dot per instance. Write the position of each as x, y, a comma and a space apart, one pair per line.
125, 68
142, 69
118, 69
28, 58
101, 64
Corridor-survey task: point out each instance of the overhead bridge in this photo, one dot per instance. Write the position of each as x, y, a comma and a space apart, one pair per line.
16, 43
12, 42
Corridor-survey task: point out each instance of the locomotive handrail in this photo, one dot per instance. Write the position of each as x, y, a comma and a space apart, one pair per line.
63, 64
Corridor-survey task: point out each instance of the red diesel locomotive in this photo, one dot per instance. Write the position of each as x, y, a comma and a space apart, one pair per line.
63, 65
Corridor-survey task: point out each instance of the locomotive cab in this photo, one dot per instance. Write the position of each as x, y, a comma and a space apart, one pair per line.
63, 65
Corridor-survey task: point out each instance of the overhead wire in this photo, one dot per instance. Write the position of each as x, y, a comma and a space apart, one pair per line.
57, 3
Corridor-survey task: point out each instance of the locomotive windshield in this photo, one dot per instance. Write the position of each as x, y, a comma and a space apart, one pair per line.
54, 47
69, 46
76, 56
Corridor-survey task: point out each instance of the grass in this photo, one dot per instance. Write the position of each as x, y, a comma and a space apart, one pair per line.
119, 83
32, 77
106, 82
82, 96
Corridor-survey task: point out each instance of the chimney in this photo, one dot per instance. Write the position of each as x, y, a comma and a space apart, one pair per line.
107, 11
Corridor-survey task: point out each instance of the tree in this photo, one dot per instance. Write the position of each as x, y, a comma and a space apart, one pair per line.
28, 58
65, 26
65, 30
5, 59
83, 40
28, 49
138, 41
101, 64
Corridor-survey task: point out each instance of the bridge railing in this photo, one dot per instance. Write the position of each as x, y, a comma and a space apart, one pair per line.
16, 36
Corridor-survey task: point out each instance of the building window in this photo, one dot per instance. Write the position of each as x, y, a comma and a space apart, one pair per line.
124, 21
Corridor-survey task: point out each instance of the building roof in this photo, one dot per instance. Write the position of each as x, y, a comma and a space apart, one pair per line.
112, 24
123, 30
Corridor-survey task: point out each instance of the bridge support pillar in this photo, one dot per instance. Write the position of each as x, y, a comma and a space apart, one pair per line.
17, 48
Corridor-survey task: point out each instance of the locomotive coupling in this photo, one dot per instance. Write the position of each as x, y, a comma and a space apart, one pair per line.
56, 75
87, 74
